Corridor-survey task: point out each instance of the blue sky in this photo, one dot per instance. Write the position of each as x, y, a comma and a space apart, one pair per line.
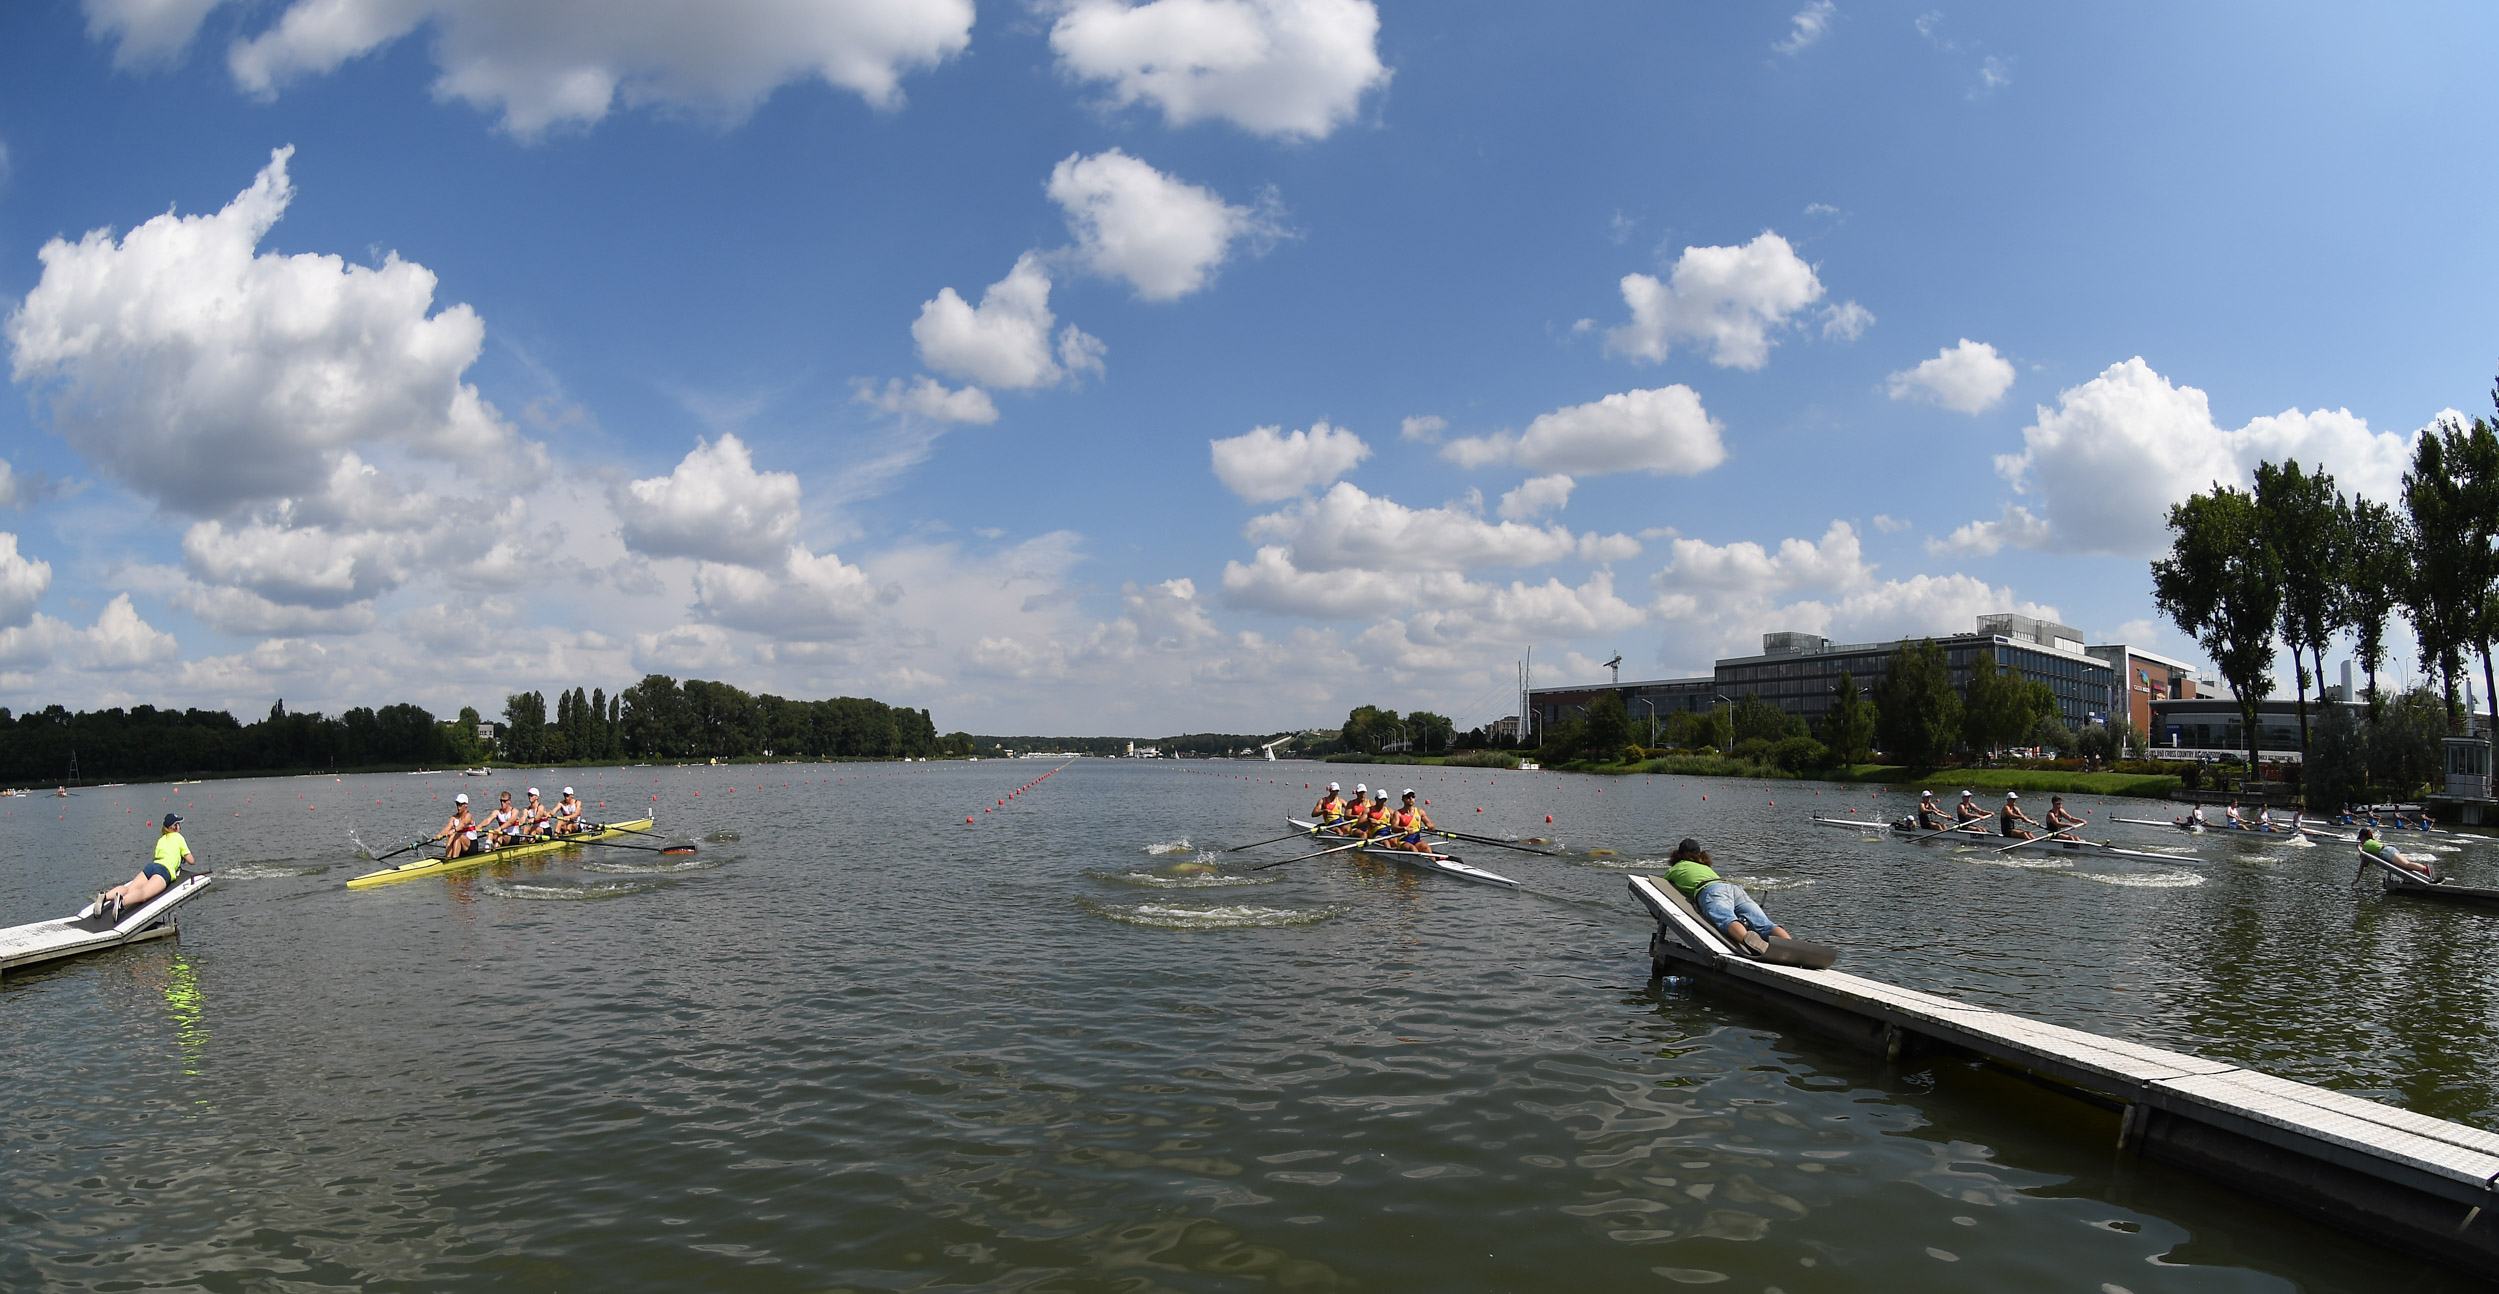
922, 350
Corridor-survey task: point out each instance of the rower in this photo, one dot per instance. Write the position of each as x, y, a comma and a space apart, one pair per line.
2012, 813
1930, 814
1406, 825
2235, 822
461, 831
1329, 808
1354, 821
502, 824
2058, 818
1967, 812
2386, 853
1377, 818
2194, 821
534, 817
173, 853
1721, 902
568, 813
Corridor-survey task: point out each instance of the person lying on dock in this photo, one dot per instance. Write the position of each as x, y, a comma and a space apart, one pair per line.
2386, 853
1968, 814
2012, 813
2058, 818
461, 831
1930, 814
1721, 902
173, 853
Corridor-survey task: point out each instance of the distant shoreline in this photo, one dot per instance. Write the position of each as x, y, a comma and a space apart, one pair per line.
2149, 786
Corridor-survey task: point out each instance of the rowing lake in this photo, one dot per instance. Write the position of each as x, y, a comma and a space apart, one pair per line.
864, 1046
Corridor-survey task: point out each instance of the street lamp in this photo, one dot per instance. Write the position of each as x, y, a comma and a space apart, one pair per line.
1730, 719
1652, 705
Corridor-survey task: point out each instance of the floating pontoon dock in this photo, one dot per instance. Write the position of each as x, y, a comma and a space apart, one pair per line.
43, 941
2422, 1185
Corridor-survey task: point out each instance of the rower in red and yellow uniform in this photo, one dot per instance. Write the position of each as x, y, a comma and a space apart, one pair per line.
1406, 824
1356, 818
1329, 808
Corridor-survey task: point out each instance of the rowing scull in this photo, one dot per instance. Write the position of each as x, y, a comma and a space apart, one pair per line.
1443, 864
440, 866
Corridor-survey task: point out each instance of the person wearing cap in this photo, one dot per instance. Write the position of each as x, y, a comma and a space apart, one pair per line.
1406, 824
1967, 812
502, 824
535, 819
461, 832
2012, 813
1727, 906
1930, 814
1356, 820
567, 813
1329, 808
173, 853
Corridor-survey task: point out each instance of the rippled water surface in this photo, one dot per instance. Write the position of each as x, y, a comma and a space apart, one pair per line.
856, 1043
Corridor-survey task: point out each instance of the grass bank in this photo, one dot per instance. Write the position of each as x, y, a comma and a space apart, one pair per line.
2047, 780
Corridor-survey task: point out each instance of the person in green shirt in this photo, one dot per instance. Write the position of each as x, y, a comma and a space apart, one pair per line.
1722, 903
173, 853
2378, 849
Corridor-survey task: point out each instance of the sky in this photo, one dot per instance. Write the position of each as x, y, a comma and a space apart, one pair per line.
1090, 366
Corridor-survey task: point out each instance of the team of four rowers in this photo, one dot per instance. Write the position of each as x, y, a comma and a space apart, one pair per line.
1398, 828
507, 825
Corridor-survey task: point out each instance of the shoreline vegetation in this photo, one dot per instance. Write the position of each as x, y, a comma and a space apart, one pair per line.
2150, 786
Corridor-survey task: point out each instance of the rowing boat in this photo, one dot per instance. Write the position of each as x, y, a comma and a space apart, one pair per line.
438, 866
1977, 834
2190, 827
2443, 891
1442, 864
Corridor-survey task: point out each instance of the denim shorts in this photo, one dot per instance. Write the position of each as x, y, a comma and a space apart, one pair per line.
1723, 901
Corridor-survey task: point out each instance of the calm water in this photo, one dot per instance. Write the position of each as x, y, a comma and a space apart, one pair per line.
865, 1046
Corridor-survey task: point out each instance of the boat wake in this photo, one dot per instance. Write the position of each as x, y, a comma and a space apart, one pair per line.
666, 868
541, 892
1236, 916
722, 838
268, 871
1184, 881
1180, 846
2142, 880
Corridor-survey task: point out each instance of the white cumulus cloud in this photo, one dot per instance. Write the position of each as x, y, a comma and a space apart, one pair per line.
1163, 235
1727, 300
1284, 68
1662, 431
1835, 562
1266, 464
715, 506
1846, 322
146, 31
929, 398
1968, 378
1346, 529
808, 597
211, 379
2117, 451
552, 63
1005, 341
23, 582
1536, 496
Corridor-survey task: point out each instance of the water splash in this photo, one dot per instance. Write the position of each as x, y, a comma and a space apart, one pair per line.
2142, 880
1180, 846
1236, 916
542, 892
664, 867
722, 838
268, 871
1184, 881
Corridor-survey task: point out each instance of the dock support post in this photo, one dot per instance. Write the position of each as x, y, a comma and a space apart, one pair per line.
2130, 1128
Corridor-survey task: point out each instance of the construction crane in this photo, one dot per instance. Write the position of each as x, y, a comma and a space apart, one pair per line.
1616, 665
1270, 747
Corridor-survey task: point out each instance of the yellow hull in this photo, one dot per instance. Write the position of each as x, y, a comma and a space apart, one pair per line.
409, 871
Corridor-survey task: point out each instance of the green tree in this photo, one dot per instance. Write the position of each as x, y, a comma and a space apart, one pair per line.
2406, 746
2221, 586
1429, 732
2336, 769
1848, 726
1368, 729
1700, 729
525, 722
1917, 714
1756, 719
2375, 571
1609, 726
2303, 517
2449, 582
1994, 712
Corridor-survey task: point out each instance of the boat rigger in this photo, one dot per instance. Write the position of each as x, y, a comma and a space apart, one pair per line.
45, 941
439, 866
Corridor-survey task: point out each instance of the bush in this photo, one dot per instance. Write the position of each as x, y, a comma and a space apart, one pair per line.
1796, 754
1633, 754
1481, 759
1753, 749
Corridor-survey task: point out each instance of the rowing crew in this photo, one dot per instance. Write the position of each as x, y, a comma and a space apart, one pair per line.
2237, 821
1398, 828
2010, 820
507, 825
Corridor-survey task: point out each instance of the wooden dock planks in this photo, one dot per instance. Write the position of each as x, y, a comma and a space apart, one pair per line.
2401, 1178
45, 941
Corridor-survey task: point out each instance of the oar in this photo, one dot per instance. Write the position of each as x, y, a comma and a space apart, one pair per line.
1338, 850
648, 849
2033, 840
1958, 826
1487, 840
405, 848
1306, 831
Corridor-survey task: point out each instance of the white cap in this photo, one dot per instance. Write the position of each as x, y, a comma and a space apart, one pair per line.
2013, 795
533, 790
1380, 794
1965, 795
1334, 787
461, 798
568, 790
1406, 792
1359, 788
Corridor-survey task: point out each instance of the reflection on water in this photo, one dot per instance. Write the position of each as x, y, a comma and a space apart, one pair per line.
1061, 1049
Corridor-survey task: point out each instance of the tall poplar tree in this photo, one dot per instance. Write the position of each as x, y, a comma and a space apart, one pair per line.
2222, 586
2300, 513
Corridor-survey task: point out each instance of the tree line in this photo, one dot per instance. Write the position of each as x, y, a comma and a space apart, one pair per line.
2296, 563
657, 718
